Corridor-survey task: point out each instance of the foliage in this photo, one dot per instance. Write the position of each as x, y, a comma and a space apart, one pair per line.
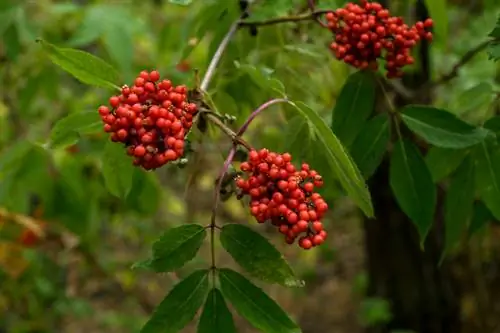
428, 148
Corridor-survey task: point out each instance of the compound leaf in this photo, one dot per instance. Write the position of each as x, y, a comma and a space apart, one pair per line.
441, 128
175, 248
256, 255
179, 307
412, 185
254, 305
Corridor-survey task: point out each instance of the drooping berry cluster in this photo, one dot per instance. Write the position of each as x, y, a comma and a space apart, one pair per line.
364, 33
284, 195
151, 118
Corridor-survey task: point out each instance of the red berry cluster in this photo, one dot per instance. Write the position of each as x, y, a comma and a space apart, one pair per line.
285, 196
363, 32
151, 118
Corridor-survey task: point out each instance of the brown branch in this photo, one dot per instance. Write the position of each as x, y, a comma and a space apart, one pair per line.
466, 58
284, 19
26, 221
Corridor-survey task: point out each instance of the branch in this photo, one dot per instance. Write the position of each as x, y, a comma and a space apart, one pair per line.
26, 221
466, 58
283, 19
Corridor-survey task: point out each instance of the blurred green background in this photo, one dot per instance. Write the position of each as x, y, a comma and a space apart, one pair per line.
78, 279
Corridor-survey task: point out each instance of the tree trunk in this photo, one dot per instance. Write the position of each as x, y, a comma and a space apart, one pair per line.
422, 295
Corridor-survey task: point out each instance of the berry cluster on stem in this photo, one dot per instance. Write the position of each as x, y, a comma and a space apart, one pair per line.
151, 119
366, 33
284, 195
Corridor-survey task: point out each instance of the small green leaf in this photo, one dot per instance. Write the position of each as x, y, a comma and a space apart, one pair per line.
443, 161
298, 137
175, 248
256, 255
439, 13
339, 160
487, 157
180, 306
83, 66
459, 203
67, 130
117, 169
354, 105
441, 128
370, 146
474, 98
254, 305
412, 185
216, 317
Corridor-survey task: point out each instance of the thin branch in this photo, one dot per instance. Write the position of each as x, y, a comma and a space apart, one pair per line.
26, 221
218, 55
284, 19
466, 58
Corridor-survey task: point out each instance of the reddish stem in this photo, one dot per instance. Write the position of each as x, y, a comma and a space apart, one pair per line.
261, 108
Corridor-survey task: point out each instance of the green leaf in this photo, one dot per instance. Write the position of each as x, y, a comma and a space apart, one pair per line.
67, 130
256, 255
459, 203
339, 160
441, 128
216, 317
493, 124
298, 137
370, 146
493, 50
474, 98
443, 161
180, 306
480, 218
254, 305
145, 195
354, 105
83, 66
439, 13
412, 185
181, 2
175, 248
12, 158
487, 157
117, 169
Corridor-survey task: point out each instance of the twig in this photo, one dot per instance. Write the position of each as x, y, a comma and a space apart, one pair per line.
218, 55
255, 113
468, 56
26, 221
283, 19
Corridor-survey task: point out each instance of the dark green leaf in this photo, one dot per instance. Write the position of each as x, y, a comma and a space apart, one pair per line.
67, 130
480, 217
354, 104
254, 305
443, 161
180, 306
256, 255
459, 203
216, 317
439, 13
488, 176
412, 185
117, 169
120, 46
83, 66
175, 248
369, 147
441, 128
493, 124
339, 160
